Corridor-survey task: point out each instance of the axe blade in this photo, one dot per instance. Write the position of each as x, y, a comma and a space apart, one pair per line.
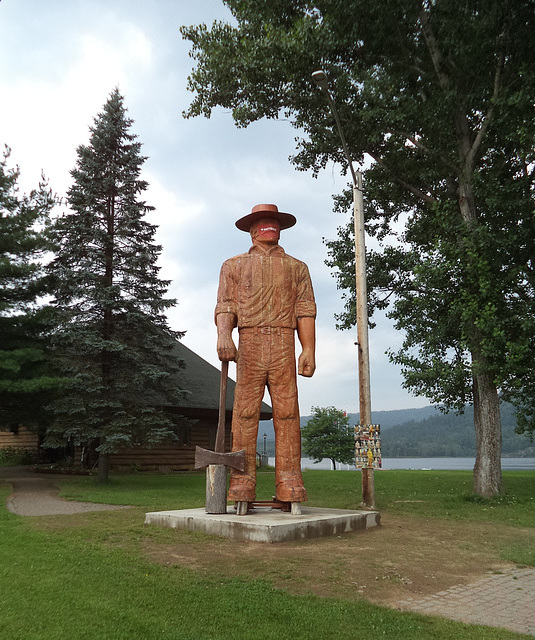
234, 459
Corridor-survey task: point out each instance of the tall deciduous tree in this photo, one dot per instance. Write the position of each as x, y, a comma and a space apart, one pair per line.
328, 435
113, 340
440, 95
26, 380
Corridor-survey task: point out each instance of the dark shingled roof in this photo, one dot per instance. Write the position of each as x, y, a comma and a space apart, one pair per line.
201, 381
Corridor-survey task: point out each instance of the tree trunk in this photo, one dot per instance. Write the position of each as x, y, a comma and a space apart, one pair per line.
103, 467
487, 422
487, 419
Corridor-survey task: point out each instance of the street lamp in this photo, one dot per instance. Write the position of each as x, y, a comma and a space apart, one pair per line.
365, 410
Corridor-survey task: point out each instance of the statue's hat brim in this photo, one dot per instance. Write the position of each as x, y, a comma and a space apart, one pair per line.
286, 220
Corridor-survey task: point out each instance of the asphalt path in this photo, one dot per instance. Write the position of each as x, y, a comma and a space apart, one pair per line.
35, 494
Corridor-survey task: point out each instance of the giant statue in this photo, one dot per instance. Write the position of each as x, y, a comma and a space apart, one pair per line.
267, 295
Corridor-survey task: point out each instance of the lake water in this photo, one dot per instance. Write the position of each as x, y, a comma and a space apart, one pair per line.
452, 464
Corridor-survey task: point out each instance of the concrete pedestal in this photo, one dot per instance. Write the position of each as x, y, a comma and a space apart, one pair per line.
266, 525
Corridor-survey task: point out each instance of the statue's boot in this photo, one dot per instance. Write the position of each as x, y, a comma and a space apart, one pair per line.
290, 487
242, 488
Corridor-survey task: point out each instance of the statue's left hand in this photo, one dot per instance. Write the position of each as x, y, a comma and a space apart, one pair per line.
307, 363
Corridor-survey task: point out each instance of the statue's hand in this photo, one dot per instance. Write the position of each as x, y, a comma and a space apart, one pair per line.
226, 349
307, 363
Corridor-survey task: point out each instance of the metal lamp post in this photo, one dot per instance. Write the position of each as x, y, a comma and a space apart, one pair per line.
365, 411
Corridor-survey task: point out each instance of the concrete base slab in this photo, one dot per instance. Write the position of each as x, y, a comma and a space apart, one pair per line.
266, 525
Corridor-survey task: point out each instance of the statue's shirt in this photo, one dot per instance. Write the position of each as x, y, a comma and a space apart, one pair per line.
265, 289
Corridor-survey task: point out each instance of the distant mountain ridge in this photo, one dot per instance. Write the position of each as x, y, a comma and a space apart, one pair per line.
451, 435
386, 419
427, 432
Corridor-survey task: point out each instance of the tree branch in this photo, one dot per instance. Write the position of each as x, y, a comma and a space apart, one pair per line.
490, 112
432, 46
422, 147
414, 190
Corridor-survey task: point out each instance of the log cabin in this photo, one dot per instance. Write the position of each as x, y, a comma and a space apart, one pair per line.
199, 406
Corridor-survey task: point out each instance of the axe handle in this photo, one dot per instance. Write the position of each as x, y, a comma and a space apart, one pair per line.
220, 435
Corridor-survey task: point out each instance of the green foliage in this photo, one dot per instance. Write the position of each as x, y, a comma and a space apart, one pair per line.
328, 435
13, 455
26, 378
112, 340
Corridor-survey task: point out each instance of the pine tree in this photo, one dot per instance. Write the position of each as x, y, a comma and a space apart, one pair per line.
25, 377
113, 340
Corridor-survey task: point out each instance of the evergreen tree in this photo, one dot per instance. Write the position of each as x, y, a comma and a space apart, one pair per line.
25, 377
328, 435
112, 339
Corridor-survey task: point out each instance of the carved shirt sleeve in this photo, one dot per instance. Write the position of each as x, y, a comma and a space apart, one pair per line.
305, 305
227, 293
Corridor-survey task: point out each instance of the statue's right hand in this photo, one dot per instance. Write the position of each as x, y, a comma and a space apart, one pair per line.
226, 349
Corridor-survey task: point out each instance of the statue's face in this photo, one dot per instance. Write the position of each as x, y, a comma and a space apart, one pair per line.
266, 230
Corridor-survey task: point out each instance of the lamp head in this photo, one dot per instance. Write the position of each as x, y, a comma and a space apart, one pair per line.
320, 78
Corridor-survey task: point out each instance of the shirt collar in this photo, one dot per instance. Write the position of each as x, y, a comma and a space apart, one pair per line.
275, 250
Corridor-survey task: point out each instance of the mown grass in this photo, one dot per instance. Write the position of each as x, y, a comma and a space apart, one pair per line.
416, 494
432, 494
85, 576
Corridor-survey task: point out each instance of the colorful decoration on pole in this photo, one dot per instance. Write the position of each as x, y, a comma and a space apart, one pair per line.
368, 446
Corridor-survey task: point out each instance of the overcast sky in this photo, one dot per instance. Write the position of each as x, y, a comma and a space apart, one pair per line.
60, 60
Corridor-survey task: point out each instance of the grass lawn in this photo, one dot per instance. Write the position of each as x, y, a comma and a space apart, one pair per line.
104, 575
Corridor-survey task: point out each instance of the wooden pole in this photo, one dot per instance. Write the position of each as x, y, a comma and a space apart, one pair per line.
362, 305
361, 290
368, 487
368, 492
216, 488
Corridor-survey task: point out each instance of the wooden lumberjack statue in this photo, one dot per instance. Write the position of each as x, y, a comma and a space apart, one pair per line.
267, 295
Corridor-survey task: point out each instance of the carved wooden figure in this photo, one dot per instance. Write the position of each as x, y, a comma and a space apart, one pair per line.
267, 295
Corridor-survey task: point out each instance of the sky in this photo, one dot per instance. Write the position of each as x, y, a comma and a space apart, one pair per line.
59, 62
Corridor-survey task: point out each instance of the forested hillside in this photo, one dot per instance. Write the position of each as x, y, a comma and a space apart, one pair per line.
450, 435
427, 432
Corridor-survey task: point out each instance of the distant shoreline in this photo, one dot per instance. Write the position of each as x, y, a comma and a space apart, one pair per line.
438, 464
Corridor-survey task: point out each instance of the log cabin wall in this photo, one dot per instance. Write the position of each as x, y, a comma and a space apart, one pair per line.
170, 456
22, 439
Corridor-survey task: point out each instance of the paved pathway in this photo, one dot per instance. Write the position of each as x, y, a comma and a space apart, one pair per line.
37, 495
504, 600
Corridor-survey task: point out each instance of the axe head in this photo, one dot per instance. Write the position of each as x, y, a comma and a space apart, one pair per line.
234, 459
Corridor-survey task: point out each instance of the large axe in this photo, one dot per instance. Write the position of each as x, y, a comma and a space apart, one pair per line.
216, 462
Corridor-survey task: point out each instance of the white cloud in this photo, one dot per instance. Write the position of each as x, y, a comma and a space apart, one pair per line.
58, 63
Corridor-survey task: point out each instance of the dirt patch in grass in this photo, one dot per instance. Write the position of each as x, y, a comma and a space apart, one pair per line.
403, 558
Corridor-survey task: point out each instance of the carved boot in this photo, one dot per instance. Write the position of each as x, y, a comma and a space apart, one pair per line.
290, 487
242, 489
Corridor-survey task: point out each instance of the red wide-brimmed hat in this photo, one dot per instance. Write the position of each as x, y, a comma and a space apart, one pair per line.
286, 220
